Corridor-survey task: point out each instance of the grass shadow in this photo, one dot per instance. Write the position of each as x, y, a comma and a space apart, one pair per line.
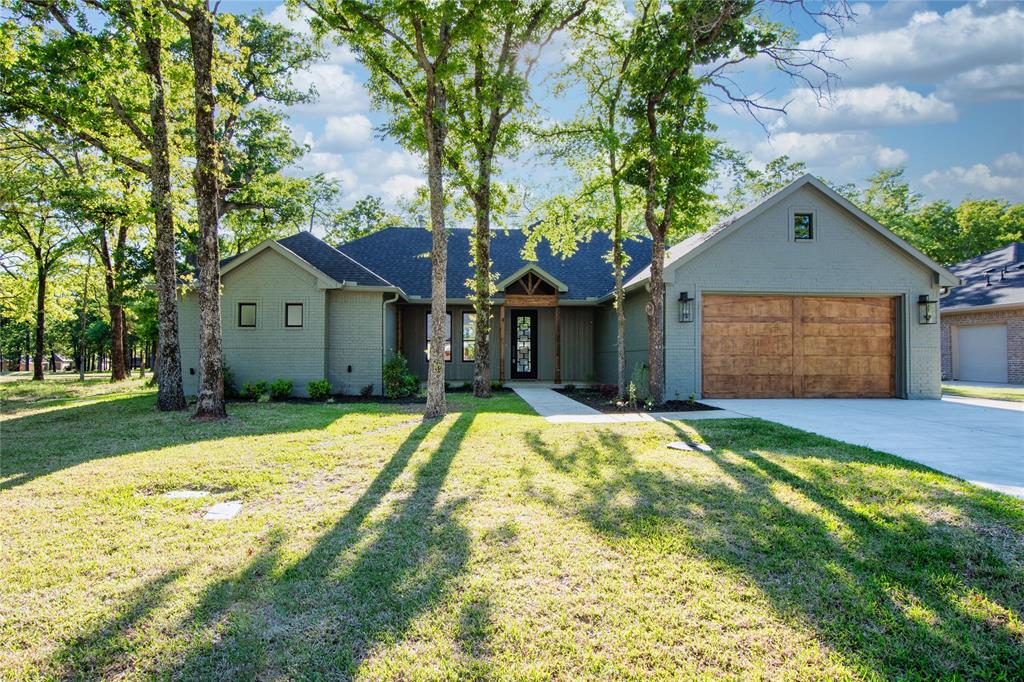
895, 595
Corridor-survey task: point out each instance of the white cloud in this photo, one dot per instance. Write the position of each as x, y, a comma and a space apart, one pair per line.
839, 156
354, 131
400, 187
379, 162
979, 180
339, 91
931, 46
1001, 82
859, 108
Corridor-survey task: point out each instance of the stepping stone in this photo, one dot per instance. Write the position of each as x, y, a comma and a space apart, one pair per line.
186, 494
223, 511
680, 445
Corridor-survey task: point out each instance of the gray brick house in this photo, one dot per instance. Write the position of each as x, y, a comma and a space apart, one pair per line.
983, 320
799, 295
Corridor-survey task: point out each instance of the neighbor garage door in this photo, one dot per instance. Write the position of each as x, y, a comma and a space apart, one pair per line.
982, 353
798, 346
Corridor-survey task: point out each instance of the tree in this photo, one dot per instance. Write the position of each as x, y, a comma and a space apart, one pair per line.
93, 84
411, 50
489, 105
365, 217
751, 185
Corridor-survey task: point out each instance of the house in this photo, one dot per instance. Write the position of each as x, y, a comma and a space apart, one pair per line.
800, 295
983, 320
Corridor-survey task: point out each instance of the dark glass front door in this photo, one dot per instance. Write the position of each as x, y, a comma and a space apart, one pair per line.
524, 344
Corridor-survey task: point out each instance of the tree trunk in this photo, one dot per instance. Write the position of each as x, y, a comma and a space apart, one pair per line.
81, 330
170, 395
620, 297
482, 282
210, 398
37, 371
117, 367
434, 112
656, 319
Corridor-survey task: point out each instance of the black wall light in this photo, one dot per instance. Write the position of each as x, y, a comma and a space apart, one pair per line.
685, 307
927, 310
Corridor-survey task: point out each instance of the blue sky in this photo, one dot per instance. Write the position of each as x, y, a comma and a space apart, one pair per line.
937, 87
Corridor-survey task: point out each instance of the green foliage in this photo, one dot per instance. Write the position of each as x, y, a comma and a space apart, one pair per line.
230, 390
319, 389
255, 390
366, 391
281, 389
640, 380
365, 217
399, 382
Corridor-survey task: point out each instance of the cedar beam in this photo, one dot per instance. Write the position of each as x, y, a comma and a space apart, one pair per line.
501, 343
558, 345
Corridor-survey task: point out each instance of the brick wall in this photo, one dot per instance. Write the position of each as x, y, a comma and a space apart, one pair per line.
1014, 320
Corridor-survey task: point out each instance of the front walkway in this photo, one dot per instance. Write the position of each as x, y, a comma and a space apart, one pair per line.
561, 409
979, 444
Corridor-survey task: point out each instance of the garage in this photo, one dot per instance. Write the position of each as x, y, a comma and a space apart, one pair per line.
981, 353
773, 346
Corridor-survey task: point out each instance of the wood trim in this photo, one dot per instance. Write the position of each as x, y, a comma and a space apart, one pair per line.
501, 343
558, 346
539, 301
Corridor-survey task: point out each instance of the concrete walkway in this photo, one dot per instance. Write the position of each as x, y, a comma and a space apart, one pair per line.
979, 444
560, 409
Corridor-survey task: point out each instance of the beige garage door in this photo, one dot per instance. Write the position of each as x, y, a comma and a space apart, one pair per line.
798, 346
982, 354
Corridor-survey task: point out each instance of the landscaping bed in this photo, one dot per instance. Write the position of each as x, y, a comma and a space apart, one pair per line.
600, 401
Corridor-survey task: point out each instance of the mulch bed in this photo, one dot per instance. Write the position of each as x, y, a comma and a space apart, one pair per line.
345, 398
596, 400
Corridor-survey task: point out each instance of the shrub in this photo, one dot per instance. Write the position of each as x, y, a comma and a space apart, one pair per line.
467, 385
398, 380
318, 389
254, 390
569, 388
230, 390
641, 382
366, 391
281, 389
497, 385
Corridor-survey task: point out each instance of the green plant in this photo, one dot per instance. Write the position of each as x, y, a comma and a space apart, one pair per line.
692, 400
631, 395
569, 388
399, 382
467, 385
254, 390
318, 389
366, 391
497, 385
281, 389
264, 398
230, 390
641, 382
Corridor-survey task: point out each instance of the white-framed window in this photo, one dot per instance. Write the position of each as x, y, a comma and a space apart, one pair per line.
247, 315
447, 337
293, 315
468, 337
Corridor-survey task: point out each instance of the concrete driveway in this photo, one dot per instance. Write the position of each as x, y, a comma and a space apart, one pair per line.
981, 444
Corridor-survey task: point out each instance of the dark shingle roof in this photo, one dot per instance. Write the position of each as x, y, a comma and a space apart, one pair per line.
327, 260
402, 255
993, 278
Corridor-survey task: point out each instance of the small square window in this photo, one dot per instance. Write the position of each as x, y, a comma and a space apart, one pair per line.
293, 314
803, 226
246, 314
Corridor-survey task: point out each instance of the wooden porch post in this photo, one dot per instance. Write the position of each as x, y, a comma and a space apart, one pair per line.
558, 345
501, 343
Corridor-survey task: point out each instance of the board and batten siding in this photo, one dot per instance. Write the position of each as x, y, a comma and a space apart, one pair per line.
270, 350
605, 338
846, 257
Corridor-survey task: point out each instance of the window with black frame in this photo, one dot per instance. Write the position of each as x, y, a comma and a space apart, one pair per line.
447, 337
468, 337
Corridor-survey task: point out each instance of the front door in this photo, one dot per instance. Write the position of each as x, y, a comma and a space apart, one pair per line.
524, 344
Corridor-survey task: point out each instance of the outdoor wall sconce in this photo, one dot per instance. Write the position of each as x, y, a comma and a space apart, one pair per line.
685, 307
927, 310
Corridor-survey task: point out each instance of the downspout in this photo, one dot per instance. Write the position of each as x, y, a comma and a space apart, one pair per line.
383, 336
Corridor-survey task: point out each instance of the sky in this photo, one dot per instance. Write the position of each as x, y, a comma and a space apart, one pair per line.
935, 87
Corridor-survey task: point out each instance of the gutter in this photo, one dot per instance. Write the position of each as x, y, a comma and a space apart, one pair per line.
383, 336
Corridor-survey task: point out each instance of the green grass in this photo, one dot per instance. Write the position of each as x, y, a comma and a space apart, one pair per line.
488, 545
990, 392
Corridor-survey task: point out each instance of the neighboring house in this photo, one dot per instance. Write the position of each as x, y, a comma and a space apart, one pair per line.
983, 320
800, 295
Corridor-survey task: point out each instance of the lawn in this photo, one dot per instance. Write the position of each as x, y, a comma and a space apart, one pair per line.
488, 545
990, 392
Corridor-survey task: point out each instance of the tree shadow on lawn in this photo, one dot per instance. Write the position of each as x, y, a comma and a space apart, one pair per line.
894, 595
37, 445
362, 585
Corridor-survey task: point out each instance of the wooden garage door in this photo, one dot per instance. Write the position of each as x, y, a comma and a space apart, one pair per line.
798, 346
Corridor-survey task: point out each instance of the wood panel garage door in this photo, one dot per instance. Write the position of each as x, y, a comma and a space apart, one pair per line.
798, 346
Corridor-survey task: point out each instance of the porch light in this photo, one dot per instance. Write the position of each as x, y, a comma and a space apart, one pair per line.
927, 310
685, 307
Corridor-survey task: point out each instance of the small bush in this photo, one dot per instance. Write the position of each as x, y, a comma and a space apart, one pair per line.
281, 389
570, 388
467, 385
318, 389
398, 380
254, 390
497, 385
230, 390
366, 391
641, 382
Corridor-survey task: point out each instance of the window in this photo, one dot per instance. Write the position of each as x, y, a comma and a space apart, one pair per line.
447, 337
293, 314
803, 226
468, 337
246, 314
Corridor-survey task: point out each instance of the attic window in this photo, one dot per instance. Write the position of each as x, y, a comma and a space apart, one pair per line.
803, 226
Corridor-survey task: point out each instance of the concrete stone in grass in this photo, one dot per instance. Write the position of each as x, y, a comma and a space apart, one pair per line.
186, 494
689, 447
223, 511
